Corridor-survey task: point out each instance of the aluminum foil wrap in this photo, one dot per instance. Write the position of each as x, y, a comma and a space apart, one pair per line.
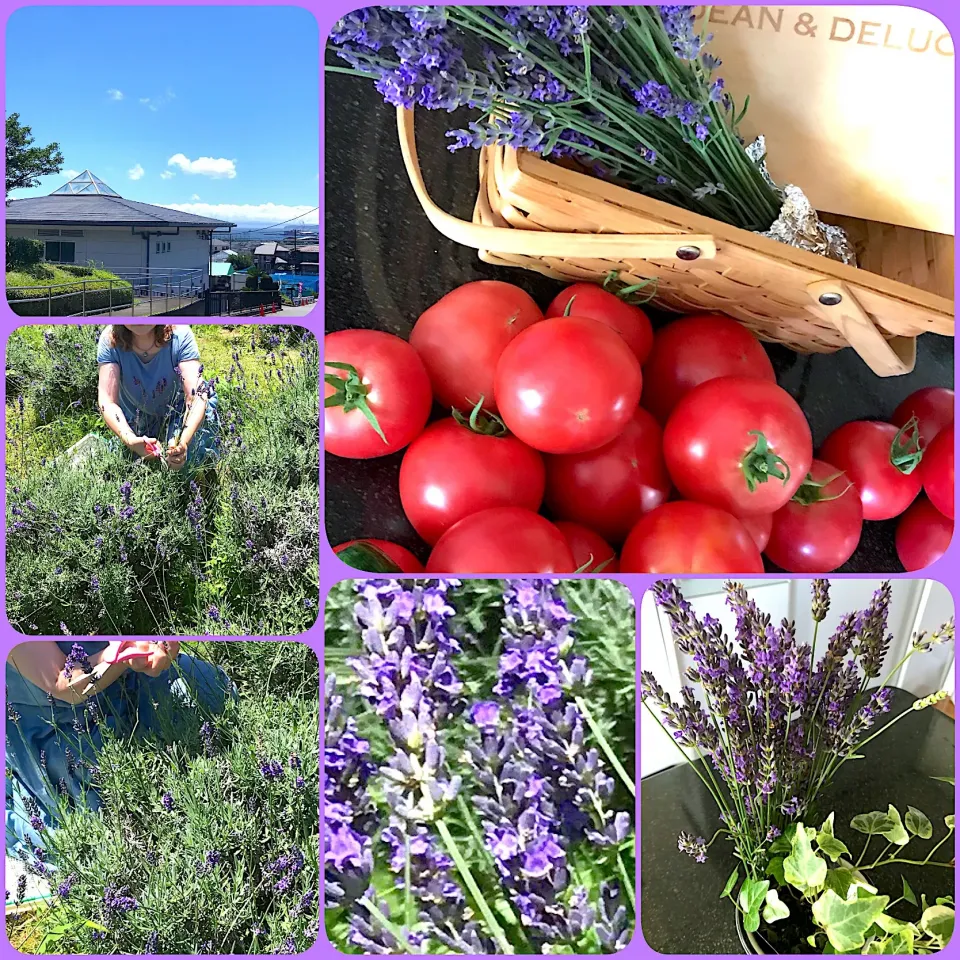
798, 223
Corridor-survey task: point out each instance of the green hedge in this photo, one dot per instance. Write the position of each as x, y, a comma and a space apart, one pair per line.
61, 282
23, 252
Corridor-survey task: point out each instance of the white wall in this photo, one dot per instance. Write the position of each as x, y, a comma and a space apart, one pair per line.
915, 605
120, 250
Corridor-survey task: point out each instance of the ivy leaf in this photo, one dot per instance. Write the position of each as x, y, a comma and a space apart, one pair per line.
775, 909
918, 823
845, 922
950, 780
731, 883
751, 896
781, 845
775, 870
892, 925
872, 823
896, 834
803, 869
839, 880
937, 922
949, 821
908, 893
828, 843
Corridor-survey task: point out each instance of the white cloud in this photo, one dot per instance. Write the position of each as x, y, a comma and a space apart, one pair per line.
135, 172
250, 212
167, 175
144, 99
155, 103
115, 94
217, 168
196, 196
69, 174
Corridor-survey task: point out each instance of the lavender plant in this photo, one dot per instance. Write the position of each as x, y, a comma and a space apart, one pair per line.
117, 546
193, 847
627, 91
771, 727
540, 860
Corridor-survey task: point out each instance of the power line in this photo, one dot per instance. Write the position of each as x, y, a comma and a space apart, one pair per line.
280, 224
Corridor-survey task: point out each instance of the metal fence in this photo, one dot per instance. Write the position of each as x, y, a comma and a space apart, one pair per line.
231, 303
139, 293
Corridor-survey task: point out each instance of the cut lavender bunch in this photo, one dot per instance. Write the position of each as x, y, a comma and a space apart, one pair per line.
774, 723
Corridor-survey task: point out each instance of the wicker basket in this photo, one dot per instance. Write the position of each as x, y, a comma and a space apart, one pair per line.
570, 226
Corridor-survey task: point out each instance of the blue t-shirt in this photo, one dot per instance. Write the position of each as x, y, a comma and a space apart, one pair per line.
152, 390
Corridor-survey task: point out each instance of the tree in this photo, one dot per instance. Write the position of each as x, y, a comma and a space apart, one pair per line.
26, 163
240, 261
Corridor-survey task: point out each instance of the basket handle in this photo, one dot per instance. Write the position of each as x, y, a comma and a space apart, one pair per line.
545, 243
835, 302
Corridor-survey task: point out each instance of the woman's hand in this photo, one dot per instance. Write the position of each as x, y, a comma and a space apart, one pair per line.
177, 455
162, 656
145, 447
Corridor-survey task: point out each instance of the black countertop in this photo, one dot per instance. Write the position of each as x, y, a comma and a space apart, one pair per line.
680, 906
385, 264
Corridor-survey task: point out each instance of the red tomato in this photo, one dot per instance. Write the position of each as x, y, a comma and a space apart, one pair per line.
865, 450
609, 489
366, 552
450, 471
594, 302
460, 339
389, 378
728, 439
759, 528
819, 529
923, 535
683, 537
695, 349
932, 406
502, 540
567, 385
936, 471
588, 547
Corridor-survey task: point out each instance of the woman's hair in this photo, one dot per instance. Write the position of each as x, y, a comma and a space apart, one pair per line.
122, 338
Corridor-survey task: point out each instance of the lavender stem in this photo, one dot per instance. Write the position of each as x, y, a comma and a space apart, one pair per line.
387, 925
605, 746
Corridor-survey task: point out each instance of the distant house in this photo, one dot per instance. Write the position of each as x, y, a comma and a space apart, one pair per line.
85, 220
221, 276
264, 256
305, 258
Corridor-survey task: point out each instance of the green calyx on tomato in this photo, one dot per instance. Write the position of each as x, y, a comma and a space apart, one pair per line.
481, 421
628, 294
351, 393
905, 451
810, 491
760, 463
365, 556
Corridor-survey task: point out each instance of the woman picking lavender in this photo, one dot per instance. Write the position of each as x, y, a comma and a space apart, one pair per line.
151, 385
60, 695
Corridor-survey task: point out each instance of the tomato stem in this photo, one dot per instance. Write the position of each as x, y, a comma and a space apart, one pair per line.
351, 393
481, 421
809, 491
760, 463
569, 306
626, 294
906, 453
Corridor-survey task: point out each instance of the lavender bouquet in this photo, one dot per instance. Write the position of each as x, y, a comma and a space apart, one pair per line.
627, 91
770, 730
536, 860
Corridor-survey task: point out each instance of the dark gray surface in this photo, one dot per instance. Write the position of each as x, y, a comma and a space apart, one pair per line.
679, 899
385, 264
102, 211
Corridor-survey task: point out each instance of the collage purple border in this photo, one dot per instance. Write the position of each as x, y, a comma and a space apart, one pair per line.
947, 570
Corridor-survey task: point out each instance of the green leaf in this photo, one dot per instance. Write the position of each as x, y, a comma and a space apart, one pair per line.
840, 881
948, 820
752, 893
918, 823
892, 925
803, 869
775, 870
846, 922
731, 882
895, 834
908, 893
781, 845
828, 843
937, 922
775, 909
950, 780
872, 823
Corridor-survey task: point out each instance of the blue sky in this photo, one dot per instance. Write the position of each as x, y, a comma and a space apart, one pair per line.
212, 110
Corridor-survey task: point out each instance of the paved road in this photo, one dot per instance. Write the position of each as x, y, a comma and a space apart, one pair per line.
299, 311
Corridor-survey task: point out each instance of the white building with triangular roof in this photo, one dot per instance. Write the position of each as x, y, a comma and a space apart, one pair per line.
85, 220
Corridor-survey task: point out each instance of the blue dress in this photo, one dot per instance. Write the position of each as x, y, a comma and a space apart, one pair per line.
51, 744
151, 396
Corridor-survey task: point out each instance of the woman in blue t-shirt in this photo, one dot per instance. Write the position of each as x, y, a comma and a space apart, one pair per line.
152, 394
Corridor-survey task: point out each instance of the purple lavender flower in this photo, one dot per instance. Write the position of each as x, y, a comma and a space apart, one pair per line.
65, 886
167, 801
118, 900
271, 769
208, 738
21, 887
694, 848
152, 944
76, 659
